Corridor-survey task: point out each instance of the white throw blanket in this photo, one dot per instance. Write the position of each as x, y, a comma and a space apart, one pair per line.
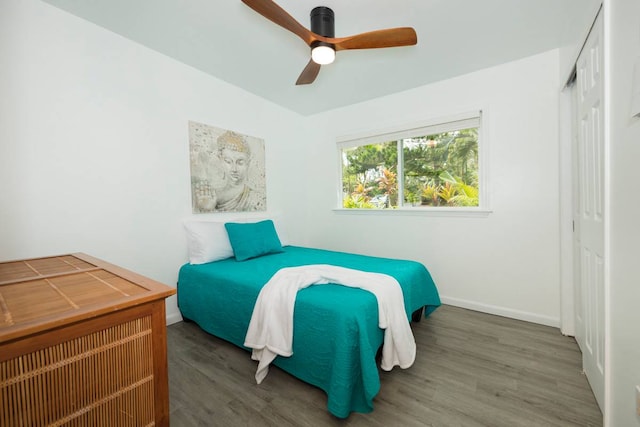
270, 331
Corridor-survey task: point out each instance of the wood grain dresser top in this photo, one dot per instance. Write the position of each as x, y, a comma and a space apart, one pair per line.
43, 293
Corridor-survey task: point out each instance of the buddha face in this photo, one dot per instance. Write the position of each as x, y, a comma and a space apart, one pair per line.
236, 164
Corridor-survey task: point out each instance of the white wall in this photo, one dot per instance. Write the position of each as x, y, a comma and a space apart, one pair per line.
622, 35
94, 142
506, 263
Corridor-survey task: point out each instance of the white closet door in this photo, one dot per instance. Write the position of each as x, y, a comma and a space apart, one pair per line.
589, 212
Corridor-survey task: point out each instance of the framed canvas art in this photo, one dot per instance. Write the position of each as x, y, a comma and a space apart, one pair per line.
227, 170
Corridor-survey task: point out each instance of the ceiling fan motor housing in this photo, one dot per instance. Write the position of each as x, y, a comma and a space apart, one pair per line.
322, 23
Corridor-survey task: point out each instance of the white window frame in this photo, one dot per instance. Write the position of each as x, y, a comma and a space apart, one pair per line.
475, 118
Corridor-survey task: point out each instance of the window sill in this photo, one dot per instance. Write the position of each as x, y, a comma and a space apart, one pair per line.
432, 212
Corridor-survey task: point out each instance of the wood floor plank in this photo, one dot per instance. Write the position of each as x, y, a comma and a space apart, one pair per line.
472, 369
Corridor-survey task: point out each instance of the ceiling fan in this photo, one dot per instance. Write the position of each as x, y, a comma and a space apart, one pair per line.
321, 36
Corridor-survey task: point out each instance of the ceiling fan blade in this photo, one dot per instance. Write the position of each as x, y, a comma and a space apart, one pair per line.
392, 37
276, 14
309, 73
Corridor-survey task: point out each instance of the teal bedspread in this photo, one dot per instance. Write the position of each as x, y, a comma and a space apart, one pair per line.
336, 335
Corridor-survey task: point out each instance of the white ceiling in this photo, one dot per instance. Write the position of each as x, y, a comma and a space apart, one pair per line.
228, 40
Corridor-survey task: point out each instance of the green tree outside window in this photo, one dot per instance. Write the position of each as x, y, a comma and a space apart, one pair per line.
438, 170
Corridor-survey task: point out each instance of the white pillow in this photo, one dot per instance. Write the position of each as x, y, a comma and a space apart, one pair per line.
207, 241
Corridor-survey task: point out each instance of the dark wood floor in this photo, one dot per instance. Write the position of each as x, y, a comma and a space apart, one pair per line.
472, 369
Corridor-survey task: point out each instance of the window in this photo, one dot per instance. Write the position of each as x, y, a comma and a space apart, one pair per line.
430, 167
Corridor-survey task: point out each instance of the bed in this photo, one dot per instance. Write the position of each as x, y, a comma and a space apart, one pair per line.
336, 334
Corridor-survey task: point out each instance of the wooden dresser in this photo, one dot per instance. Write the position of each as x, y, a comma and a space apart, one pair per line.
82, 342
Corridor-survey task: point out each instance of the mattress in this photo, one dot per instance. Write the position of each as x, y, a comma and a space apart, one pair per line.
336, 334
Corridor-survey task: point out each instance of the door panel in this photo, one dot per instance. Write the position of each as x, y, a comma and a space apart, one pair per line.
589, 211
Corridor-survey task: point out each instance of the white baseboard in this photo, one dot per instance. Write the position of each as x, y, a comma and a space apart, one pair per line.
471, 305
502, 311
173, 318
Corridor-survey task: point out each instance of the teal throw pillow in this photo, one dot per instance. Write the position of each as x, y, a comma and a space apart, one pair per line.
250, 240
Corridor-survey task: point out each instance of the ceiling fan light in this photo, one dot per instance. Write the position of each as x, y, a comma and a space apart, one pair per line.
323, 55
